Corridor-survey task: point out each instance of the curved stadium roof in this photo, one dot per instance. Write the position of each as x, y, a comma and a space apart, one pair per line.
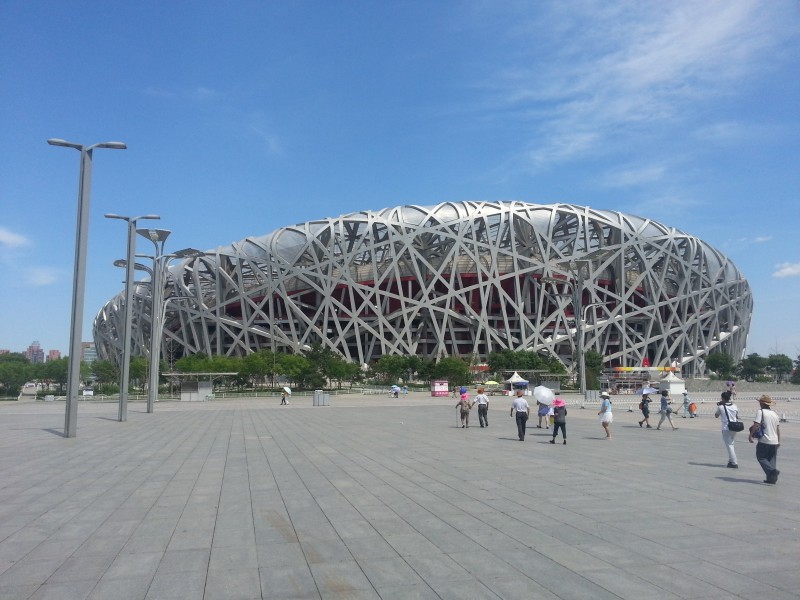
458, 278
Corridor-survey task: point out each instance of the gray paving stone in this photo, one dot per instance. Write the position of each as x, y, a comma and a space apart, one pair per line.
65, 590
291, 581
242, 499
134, 588
182, 585
178, 561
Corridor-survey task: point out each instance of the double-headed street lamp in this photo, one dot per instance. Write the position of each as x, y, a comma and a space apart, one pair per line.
126, 336
575, 267
79, 276
158, 304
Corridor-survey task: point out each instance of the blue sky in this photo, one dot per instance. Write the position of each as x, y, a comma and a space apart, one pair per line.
246, 116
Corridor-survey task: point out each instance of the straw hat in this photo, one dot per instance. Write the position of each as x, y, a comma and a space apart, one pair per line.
766, 400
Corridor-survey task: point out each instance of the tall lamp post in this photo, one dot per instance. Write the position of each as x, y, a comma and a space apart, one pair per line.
79, 276
158, 304
126, 336
575, 267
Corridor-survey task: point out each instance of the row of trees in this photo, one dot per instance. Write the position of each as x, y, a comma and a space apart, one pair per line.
775, 367
321, 366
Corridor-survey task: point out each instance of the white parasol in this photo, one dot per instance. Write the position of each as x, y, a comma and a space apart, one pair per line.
287, 390
543, 395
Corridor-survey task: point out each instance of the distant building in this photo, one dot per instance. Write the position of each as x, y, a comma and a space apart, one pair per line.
5, 351
34, 353
53, 355
88, 352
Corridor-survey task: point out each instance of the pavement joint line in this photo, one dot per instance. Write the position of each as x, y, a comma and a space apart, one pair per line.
373, 490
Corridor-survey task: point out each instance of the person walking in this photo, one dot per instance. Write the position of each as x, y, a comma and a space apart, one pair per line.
483, 407
728, 414
559, 420
464, 405
606, 418
283, 397
666, 410
686, 402
766, 429
520, 404
543, 412
644, 406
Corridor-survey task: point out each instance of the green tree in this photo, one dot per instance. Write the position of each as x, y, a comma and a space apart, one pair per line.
15, 371
780, 364
390, 368
57, 372
593, 361
752, 367
256, 366
105, 371
720, 363
193, 363
341, 370
454, 370
296, 368
138, 371
796, 373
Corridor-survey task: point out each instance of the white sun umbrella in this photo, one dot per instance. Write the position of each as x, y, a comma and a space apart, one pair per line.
645, 390
287, 390
543, 394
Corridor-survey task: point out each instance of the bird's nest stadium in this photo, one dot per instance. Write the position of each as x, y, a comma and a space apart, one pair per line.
455, 279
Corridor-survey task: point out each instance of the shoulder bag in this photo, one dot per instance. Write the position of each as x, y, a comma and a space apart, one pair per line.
757, 429
732, 425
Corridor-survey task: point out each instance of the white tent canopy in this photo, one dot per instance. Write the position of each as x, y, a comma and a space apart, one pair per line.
515, 378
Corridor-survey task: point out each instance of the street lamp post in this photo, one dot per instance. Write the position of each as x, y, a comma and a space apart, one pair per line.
575, 267
159, 238
79, 276
126, 339
160, 264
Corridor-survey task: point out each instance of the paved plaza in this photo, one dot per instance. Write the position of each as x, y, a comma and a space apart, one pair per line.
384, 498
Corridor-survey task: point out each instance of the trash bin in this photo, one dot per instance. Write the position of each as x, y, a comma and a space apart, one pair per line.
317, 398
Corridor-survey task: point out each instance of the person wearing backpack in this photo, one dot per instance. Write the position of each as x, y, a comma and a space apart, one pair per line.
559, 420
766, 429
728, 414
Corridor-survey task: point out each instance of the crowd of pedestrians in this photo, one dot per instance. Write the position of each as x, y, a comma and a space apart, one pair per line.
764, 431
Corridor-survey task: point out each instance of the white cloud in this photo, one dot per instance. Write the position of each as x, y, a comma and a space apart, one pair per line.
609, 71
635, 176
40, 276
11, 239
787, 270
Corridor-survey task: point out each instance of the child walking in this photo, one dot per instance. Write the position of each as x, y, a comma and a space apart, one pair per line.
559, 420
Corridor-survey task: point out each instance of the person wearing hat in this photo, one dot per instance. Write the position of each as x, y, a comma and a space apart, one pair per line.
559, 420
606, 418
523, 412
464, 405
766, 428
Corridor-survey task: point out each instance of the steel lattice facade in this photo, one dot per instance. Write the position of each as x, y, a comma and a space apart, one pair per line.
459, 278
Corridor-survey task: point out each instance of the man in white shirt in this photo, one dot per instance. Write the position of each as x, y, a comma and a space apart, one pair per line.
523, 412
767, 423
